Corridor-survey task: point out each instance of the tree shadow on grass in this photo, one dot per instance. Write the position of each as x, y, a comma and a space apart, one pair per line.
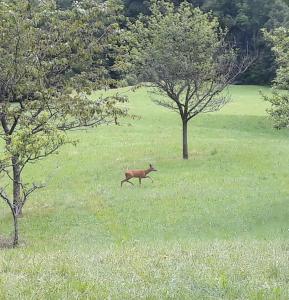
252, 125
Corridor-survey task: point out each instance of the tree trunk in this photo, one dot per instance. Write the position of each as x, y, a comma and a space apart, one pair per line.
185, 140
15, 221
17, 203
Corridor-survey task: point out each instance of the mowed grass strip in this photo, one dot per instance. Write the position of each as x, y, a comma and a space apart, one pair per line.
213, 227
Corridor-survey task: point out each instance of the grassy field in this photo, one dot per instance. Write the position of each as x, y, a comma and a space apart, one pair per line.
213, 227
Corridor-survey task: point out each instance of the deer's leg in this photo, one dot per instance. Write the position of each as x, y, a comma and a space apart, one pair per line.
139, 180
149, 178
126, 180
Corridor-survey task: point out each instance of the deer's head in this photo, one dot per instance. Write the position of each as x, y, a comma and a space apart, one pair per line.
152, 168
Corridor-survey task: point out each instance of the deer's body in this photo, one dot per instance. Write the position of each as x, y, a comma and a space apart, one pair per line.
140, 174
136, 173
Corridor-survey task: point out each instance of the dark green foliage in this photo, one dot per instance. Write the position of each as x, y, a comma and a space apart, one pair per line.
64, 4
134, 7
244, 20
279, 110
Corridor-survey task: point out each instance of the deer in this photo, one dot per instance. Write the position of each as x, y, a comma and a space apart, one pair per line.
140, 174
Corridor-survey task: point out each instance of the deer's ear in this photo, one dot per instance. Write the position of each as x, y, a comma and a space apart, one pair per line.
151, 165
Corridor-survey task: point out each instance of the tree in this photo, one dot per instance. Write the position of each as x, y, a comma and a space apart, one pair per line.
183, 54
279, 110
243, 20
50, 61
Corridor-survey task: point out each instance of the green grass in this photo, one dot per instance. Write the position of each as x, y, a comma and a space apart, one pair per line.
213, 227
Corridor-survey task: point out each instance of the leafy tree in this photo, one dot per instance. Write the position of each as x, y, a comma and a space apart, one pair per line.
50, 61
244, 20
279, 110
278, 15
183, 54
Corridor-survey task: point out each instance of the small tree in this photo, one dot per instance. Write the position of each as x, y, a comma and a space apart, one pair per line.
50, 61
279, 110
183, 54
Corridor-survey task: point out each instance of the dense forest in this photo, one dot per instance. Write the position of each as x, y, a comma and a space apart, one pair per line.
243, 19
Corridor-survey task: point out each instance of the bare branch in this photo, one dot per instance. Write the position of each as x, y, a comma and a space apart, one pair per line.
166, 104
27, 193
4, 196
4, 123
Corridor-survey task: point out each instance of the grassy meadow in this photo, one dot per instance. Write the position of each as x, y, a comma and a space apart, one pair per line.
213, 227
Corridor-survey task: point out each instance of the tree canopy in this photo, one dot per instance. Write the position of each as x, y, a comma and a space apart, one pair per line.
279, 110
244, 20
50, 62
184, 55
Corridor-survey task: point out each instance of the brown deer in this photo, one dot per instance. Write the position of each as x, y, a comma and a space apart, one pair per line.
138, 174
